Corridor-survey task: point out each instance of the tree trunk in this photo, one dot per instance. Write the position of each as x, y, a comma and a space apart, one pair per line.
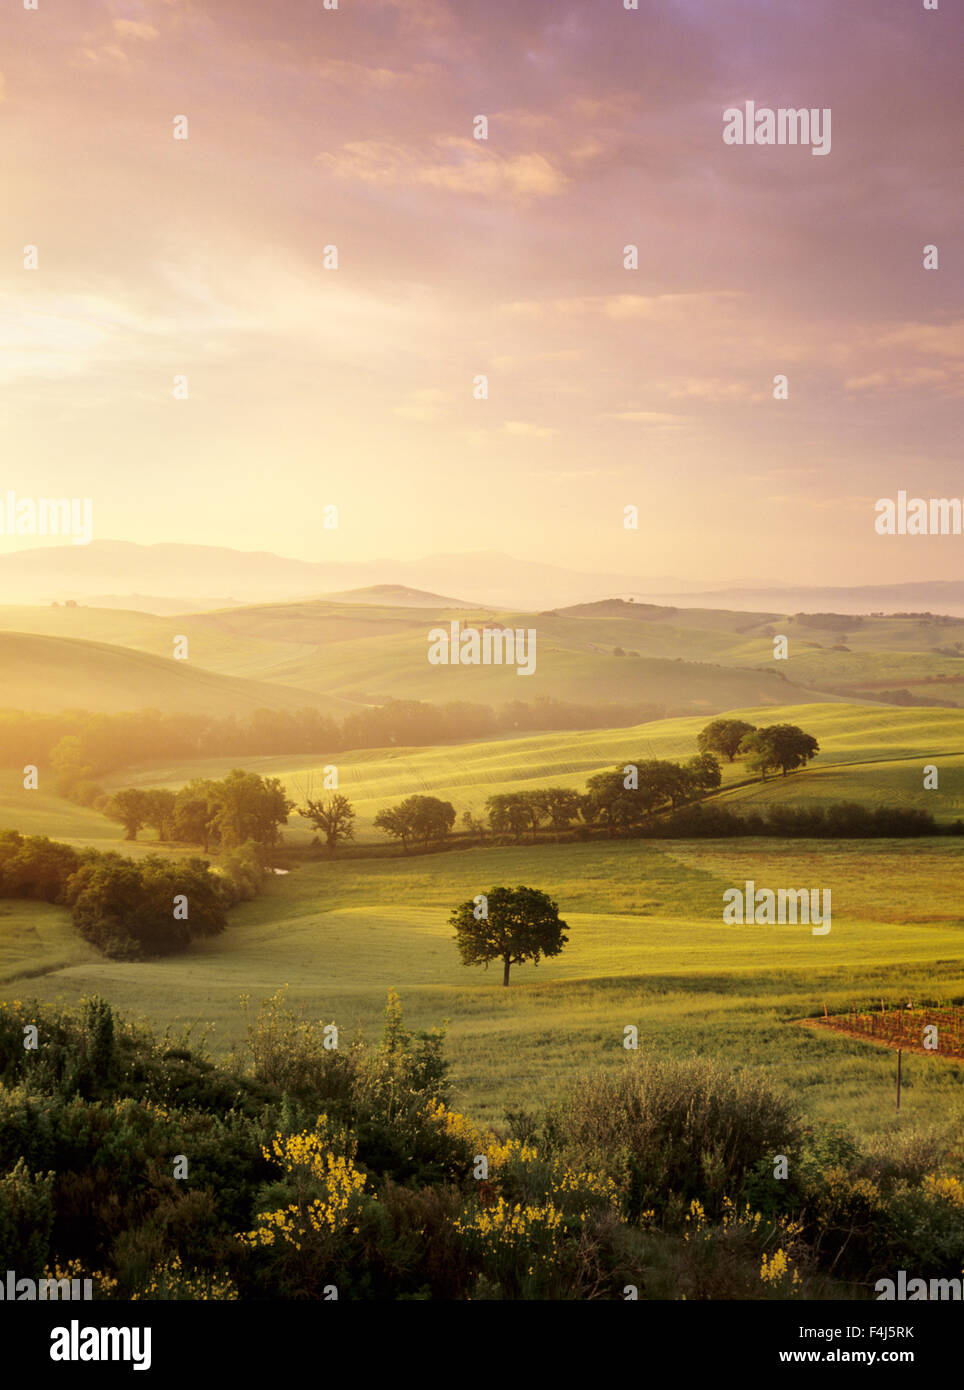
505, 973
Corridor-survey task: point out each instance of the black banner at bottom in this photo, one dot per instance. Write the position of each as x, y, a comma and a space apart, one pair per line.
253, 1338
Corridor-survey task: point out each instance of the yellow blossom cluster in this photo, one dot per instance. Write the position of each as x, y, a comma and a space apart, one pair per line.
946, 1189
570, 1183
172, 1281
698, 1224
498, 1154
456, 1125
102, 1284
695, 1219
503, 1225
309, 1153
777, 1269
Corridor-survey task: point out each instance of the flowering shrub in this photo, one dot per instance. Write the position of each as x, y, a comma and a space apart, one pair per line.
102, 1285
310, 1162
381, 1195
172, 1282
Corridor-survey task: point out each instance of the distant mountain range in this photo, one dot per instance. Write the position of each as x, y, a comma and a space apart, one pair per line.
398, 596
122, 574
169, 578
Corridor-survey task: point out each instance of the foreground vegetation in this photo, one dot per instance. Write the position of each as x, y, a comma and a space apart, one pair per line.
311, 1171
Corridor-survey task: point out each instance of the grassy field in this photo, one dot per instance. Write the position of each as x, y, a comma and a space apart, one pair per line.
647, 947
869, 753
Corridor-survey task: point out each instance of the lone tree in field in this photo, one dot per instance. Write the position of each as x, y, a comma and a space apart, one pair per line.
334, 818
723, 736
510, 924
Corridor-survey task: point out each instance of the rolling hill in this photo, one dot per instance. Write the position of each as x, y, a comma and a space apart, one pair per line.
367, 653
55, 673
397, 596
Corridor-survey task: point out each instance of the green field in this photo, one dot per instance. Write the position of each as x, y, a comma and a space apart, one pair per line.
647, 947
869, 753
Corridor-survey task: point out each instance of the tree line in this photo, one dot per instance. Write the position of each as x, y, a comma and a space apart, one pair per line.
242, 807
621, 799
245, 807
81, 747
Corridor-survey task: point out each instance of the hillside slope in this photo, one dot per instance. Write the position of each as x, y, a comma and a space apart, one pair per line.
55, 673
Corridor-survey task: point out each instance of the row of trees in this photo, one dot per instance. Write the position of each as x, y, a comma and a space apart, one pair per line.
221, 814
629, 795
619, 799
623, 797
841, 820
246, 807
81, 747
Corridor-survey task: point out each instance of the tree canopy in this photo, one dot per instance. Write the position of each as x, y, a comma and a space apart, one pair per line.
334, 818
510, 924
782, 746
423, 819
723, 736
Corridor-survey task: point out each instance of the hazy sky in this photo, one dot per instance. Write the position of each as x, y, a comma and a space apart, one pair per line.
354, 127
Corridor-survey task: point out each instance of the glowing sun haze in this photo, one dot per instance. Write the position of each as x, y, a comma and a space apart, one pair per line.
459, 257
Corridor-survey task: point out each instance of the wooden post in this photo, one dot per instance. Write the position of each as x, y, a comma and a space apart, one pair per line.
898, 1078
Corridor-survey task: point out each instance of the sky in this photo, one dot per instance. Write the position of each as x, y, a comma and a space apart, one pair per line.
458, 258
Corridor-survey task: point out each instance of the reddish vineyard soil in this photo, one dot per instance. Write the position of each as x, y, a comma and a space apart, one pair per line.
902, 1028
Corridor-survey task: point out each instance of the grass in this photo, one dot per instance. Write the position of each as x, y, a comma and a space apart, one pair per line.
647, 947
